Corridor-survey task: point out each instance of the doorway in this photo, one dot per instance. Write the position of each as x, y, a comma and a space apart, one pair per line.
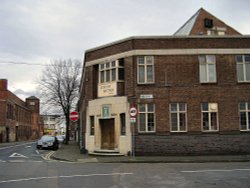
107, 134
7, 134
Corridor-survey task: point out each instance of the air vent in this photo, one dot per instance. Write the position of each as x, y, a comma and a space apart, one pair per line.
208, 23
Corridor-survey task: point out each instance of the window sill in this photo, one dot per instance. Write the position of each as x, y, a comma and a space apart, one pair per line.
145, 84
243, 82
146, 133
245, 131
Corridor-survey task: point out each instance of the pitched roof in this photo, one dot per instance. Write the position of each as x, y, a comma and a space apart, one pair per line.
196, 25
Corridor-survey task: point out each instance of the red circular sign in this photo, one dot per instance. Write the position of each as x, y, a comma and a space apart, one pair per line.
73, 116
133, 112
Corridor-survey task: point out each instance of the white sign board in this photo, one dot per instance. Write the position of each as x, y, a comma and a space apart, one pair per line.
107, 89
150, 96
132, 120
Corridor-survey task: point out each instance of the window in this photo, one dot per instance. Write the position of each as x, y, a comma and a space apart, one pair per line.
145, 69
243, 68
10, 111
207, 68
92, 125
178, 117
209, 117
123, 123
245, 116
111, 71
32, 103
146, 118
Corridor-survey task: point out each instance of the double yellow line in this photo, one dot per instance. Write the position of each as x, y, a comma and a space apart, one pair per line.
47, 156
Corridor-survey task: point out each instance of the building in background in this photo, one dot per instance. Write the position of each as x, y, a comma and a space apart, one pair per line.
52, 124
19, 120
191, 91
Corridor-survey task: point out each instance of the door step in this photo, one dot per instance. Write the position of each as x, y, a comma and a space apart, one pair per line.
108, 153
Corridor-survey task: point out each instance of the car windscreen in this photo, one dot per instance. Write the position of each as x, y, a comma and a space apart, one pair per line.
47, 138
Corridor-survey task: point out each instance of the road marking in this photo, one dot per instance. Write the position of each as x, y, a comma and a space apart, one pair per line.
27, 146
47, 156
17, 155
70, 176
2, 161
37, 152
231, 170
7, 147
16, 161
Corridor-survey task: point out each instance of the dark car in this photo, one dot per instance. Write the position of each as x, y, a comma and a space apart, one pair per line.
47, 142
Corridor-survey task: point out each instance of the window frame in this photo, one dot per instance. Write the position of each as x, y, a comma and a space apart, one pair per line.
178, 112
92, 125
145, 65
109, 71
123, 131
243, 63
209, 111
146, 112
208, 73
246, 111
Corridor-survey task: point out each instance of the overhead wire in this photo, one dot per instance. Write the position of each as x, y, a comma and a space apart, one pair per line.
25, 63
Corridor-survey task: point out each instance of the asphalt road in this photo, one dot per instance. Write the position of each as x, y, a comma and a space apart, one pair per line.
35, 171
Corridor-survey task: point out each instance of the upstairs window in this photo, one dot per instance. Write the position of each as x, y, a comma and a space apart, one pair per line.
145, 69
111, 71
207, 69
243, 68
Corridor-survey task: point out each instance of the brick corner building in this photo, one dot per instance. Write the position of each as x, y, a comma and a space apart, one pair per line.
19, 120
191, 90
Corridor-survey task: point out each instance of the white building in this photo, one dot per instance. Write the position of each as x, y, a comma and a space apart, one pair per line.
52, 124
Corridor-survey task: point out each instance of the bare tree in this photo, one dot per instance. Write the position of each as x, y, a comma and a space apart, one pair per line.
59, 87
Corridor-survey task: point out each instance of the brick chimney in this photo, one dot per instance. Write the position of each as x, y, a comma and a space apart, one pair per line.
3, 84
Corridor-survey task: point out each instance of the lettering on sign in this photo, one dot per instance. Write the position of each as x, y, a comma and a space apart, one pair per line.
146, 96
105, 90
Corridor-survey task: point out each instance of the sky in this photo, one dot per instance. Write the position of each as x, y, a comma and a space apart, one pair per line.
35, 32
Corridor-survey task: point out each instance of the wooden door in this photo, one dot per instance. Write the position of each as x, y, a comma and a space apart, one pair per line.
108, 134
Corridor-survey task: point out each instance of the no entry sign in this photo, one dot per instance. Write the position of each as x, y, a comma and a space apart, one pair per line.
133, 112
73, 116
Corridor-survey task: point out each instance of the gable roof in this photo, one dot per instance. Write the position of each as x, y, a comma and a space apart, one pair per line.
195, 25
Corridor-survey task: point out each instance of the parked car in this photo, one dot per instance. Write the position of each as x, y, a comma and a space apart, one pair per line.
47, 142
60, 138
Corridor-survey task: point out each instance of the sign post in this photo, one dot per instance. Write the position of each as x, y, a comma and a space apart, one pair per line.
133, 114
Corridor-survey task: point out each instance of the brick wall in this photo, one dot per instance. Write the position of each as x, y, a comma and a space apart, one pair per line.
199, 24
194, 42
202, 144
177, 81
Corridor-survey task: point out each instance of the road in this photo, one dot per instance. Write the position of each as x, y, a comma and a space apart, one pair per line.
29, 169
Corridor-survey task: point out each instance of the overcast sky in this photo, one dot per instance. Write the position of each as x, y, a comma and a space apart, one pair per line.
37, 31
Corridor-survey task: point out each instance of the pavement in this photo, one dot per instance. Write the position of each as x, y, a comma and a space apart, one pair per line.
71, 153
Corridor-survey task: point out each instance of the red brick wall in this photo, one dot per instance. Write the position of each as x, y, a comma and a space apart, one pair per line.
195, 42
182, 73
199, 24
